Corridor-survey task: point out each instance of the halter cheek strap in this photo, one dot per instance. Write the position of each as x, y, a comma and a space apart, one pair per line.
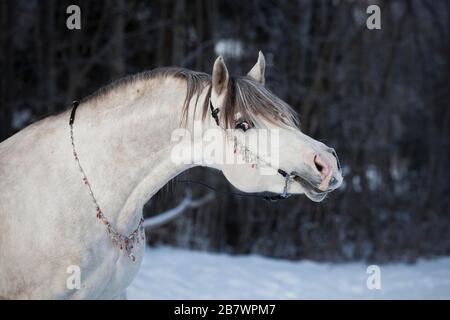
288, 178
214, 112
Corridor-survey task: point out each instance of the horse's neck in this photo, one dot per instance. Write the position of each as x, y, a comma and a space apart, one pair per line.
123, 141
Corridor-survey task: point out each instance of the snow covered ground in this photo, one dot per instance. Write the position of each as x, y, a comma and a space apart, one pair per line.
170, 273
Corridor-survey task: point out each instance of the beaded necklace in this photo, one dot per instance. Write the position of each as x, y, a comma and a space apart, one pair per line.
120, 241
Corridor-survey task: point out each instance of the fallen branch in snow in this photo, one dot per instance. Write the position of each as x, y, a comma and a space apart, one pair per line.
169, 215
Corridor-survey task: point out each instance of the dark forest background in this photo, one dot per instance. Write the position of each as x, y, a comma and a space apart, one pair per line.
380, 97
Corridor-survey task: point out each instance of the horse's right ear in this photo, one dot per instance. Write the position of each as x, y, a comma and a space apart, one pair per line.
219, 76
258, 70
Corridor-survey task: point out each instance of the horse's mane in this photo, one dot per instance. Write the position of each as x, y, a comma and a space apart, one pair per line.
255, 102
245, 96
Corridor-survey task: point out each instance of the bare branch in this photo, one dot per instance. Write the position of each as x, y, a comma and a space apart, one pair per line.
169, 215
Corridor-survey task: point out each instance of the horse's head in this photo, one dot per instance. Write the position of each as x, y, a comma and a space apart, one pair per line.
263, 133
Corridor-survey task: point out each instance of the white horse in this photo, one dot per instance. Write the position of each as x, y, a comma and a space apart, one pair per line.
64, 205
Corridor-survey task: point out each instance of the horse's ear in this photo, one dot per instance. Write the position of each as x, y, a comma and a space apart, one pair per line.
219, 76
258, 70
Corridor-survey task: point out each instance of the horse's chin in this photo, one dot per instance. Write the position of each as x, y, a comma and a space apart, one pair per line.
314, 196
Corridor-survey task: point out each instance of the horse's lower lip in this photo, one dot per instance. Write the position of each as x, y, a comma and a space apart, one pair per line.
315, 196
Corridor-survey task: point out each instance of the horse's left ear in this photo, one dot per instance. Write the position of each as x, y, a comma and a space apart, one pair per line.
258, 70
220, 76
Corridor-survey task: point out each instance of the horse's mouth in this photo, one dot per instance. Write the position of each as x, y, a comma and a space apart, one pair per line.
311, 191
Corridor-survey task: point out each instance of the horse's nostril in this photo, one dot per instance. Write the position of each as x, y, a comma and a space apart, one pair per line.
320, 166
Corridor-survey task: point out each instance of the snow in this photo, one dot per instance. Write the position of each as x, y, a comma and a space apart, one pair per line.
170, 273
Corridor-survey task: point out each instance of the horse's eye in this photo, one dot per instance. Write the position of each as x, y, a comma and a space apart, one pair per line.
243, 125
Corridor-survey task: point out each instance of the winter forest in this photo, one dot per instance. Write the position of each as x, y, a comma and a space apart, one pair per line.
379, 97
